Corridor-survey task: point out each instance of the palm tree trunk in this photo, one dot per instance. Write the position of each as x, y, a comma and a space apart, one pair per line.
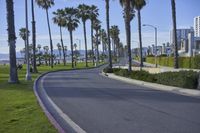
108, 28
33, 38
92, 42
140, 39
97, 48
128, 33
11, 42
72, 49
51, 44
173, 4
63, 49
85, 38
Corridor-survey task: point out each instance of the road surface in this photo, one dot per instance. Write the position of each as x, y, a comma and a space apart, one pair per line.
98, 104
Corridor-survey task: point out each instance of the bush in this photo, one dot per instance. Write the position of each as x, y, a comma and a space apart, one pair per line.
185, 79
108, 70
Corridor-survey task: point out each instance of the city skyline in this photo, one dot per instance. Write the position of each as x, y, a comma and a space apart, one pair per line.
151, 14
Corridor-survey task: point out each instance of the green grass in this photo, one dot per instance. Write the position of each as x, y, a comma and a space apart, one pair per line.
19, 110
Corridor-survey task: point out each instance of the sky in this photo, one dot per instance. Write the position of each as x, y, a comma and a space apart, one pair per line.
156, 13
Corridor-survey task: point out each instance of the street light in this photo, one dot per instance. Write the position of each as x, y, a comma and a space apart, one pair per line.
155, 41
28, 75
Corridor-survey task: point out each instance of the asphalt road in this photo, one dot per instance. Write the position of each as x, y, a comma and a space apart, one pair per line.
102, 105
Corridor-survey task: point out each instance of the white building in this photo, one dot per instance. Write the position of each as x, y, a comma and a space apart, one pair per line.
197, 26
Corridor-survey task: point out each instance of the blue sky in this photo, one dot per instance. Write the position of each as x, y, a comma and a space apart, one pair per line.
156, 12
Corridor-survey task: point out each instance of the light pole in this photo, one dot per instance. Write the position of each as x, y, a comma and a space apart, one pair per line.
28, 75
155, 28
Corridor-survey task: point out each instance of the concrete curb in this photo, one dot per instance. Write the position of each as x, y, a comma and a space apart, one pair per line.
44, 108
177, 90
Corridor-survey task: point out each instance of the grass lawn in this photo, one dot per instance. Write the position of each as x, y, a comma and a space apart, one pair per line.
19, 110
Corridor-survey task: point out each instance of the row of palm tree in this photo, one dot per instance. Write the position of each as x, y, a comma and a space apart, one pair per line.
71, 22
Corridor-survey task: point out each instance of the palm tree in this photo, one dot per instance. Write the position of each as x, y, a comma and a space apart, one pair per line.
108, 32
84, 15
46, 4
59, 50
46, 53
93, 16
114, 34
173, 4
97, 27
11, 42
70, 15
22, 34
39, 52
33, 37
139, 4
127, 9
102, 36
60, 21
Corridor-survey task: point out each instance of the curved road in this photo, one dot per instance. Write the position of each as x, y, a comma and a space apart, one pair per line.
98, 104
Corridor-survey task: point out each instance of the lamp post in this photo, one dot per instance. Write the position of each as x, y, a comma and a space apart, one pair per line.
155, 28
28, 75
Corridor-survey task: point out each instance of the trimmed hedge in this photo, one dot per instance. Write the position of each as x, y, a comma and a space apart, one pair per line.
184, 62
184, 79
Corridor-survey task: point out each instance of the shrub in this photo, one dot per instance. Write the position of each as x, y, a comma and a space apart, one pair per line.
108, 70
122, 72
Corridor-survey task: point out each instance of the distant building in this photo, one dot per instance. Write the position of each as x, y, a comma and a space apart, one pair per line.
182, 34
197, 26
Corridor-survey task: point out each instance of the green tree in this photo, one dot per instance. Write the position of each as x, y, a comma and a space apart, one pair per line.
72, 22
59, 50
46, 4
114, 34
139, 4
127, 4
60, 21
84, 15
13, 78
173, 5
22, 34
94, 13
108, 32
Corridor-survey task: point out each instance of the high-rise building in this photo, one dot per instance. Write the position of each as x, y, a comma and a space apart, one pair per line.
197, 26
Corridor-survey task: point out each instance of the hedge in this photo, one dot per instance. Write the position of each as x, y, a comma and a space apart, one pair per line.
184, 79
184, 62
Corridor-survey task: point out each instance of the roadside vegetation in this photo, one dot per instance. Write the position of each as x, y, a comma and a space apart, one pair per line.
184, 79
19, 109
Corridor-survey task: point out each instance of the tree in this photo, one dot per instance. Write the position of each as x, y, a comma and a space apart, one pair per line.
93, 16
39, 53
84, 15
114, 34
70, 15
60, 21
173, 4
33, 37
59, 50
13, 77
108, 32
46, 4
126, 4
97, 27
46, 53
139, 4
22, 34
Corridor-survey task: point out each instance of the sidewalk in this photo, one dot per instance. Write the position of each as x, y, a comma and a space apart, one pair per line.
152, 69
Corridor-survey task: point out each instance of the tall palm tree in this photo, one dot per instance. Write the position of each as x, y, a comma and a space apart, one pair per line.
139, 4
84, 15
114, 34
97, 27
46, 4
60, 21
11, 42
108, 32
94, 13
102, 36
46, 53
173, 4
127, 9
70, 15
39, 52
33, 37
22, 34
